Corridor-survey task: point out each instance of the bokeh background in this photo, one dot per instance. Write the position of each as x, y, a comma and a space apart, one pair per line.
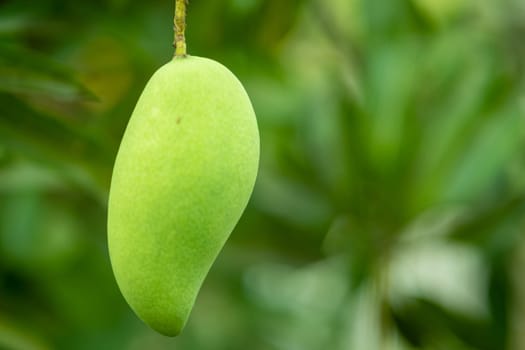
389, 211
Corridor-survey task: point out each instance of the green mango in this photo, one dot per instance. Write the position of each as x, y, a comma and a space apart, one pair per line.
183, 175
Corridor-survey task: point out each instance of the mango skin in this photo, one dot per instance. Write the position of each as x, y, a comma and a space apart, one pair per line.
184, 173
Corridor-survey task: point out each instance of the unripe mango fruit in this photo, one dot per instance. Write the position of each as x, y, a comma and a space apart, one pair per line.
183, 175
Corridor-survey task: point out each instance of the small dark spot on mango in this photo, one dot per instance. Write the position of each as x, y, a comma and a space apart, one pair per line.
178, 120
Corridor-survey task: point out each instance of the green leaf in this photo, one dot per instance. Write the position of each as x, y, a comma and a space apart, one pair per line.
424, 323
24, 72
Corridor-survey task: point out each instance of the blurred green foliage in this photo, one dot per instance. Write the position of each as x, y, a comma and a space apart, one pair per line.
390, 207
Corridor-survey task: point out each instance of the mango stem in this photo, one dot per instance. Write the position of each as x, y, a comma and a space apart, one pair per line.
179, 27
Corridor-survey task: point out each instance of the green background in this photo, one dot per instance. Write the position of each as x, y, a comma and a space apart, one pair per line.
389, 211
